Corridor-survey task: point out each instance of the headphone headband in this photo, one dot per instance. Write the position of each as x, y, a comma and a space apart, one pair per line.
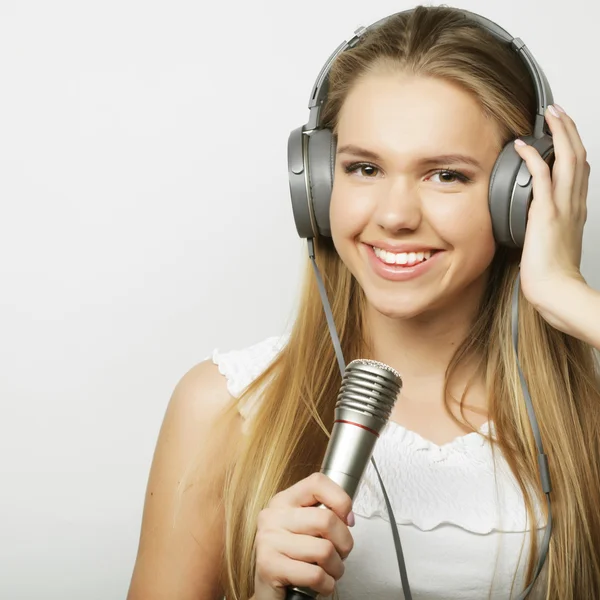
543, 93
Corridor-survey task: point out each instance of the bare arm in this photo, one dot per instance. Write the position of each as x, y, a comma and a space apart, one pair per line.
181, 541
576, 311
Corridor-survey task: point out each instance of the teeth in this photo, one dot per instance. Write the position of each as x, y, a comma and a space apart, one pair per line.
402, 258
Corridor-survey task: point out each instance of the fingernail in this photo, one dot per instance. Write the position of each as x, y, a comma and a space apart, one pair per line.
519, 142
350, 519
553, 111
562, 110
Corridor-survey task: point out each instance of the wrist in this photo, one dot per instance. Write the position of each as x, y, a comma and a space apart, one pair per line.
572, 308
558, 303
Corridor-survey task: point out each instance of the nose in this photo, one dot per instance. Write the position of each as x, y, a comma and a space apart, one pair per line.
399, 208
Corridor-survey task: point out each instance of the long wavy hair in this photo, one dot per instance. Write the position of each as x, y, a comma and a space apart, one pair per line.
288, 433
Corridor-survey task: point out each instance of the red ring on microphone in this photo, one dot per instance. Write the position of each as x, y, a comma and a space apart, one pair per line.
357, 425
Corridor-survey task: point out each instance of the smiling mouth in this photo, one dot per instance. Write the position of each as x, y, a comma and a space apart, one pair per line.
404, 259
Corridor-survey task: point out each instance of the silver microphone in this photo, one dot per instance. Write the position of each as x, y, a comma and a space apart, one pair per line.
367, 396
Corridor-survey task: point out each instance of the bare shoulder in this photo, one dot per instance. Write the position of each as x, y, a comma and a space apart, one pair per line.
181, 540
201, 391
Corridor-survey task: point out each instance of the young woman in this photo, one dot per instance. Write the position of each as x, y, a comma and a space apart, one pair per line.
421, 108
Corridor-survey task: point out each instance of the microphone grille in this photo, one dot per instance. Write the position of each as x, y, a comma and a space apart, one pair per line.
371, 387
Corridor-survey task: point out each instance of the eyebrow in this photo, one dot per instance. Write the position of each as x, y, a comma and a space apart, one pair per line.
448, 159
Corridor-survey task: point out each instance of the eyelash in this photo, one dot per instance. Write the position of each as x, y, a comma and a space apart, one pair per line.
352, 167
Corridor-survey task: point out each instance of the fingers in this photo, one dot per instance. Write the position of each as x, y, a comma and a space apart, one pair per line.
280, 571
573, 135
305, 548
318, 522
582, 169
564, 172
565, 188
542, 180
301, 542
315, 489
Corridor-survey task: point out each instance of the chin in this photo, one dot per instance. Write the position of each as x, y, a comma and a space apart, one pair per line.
399, 306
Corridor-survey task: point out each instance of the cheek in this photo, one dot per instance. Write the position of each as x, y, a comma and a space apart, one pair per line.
465, 223
349, 212
468, 229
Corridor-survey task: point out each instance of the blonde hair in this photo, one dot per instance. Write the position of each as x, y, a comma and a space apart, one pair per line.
289, 431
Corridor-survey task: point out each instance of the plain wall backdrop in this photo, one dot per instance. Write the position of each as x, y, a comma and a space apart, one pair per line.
146, 220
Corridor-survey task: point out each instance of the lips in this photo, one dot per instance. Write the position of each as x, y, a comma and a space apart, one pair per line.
402, 258
397, 271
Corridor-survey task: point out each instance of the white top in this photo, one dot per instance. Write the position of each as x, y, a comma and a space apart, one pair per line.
461, 526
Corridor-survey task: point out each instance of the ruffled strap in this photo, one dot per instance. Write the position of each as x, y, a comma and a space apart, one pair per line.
242, 366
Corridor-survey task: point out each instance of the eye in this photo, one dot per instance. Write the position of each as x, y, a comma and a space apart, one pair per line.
370, 171
450, 176
366, 170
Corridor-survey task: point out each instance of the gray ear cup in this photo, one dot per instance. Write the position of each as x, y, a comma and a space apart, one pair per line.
311, 161
299, 187
321, 164
510, 191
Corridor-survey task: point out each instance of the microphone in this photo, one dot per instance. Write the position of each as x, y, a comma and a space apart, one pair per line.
368, 393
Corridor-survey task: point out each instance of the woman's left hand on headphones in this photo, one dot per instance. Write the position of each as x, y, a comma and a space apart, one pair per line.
551, 279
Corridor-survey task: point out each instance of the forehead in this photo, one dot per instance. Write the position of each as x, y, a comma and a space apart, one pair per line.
403, 113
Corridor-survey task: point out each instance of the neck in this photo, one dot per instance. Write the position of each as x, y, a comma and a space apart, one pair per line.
421, 348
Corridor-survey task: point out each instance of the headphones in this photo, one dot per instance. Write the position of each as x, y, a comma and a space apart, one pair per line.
312, 149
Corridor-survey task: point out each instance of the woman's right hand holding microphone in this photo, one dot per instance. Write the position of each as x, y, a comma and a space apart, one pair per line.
300, 544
